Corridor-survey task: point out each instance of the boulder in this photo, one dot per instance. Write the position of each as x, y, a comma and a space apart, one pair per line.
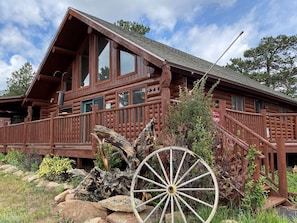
80, 211
124, 217
62, 196
121, 203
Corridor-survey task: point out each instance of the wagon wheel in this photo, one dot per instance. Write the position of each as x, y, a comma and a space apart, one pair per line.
178, 185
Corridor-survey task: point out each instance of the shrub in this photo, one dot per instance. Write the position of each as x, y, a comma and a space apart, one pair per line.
14, 157
254, 192
55, 168
2, 156
189, 123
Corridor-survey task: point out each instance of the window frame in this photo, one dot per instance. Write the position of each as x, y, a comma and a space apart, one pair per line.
98, 61
239, 100
92, 102
119, 63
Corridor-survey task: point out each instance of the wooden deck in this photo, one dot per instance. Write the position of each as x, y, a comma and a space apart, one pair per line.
70, 135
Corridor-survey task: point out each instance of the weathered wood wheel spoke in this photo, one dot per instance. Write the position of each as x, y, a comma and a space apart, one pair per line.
173, 181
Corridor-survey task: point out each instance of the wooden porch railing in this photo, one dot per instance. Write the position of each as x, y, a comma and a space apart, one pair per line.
233, 122
74, 130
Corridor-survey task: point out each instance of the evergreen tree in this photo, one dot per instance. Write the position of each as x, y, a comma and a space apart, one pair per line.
133, 27
272, 62
19, 81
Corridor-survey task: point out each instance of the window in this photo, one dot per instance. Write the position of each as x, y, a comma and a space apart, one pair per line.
84, 67
123, 99
237, 102
136, 114
65, 111
138, 96
127, 62
258, 106
87, 105
103, 59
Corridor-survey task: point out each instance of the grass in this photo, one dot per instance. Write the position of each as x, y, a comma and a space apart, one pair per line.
22, 202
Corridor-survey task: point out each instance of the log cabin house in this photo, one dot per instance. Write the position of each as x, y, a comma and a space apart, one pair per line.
94, 72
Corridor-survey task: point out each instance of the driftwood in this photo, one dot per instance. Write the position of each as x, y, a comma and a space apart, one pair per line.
100, 184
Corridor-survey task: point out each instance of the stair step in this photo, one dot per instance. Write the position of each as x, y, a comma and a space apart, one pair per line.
273, 201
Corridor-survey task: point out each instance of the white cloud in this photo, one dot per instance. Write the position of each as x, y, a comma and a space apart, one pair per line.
6, 69
28, 26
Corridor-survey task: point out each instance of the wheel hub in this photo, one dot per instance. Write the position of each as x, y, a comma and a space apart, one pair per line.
171, 189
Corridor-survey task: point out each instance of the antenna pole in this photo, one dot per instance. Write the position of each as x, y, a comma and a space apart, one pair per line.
221, 56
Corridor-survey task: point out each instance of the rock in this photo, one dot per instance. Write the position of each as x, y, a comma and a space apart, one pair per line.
294, 170
80, 211
229, 221
42, 183
121, 203
31, 178
122, 217
96, 220
78, 172
52, 186
11, 169
5, 166
70, 197
19, 173
62, 196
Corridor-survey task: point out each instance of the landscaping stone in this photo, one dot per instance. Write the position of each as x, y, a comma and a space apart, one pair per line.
81, 211
32, 178
5, 166
96, 220
19, 173
121, 203
52, 186
62, 196
125, 217
11, 169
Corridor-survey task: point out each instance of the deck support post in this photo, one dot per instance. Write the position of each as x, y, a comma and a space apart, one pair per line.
282, 167
79, 163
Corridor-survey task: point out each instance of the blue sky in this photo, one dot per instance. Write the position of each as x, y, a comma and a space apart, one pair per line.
204, 28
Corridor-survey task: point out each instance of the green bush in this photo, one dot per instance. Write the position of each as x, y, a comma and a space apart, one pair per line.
254, 192
14, 157
55, 167
2, 156
190, 124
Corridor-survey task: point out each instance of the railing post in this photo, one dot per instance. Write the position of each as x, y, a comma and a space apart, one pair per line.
222, 112
93, 123
52, 132
25, 134
282, 167
263, 112
257, 172
165, 81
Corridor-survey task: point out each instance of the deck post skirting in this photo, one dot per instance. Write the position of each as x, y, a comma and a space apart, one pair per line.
282, 167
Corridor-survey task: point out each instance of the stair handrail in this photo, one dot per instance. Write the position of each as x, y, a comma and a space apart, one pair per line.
267, 148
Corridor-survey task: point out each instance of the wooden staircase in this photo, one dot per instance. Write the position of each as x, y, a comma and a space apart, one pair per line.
274, 199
